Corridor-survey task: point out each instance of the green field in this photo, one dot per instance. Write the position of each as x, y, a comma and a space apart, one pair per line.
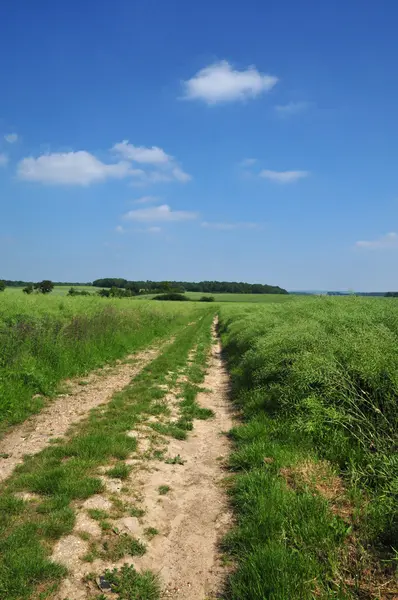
313, 473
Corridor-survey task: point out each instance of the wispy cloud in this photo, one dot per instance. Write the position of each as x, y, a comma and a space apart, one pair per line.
140, 154
146, 200
283, 176
119, 229
248, 162
11, 138
223, 226
388, 241
3, 160
292, 108
161, 213
165, 168
220, 83
154, 229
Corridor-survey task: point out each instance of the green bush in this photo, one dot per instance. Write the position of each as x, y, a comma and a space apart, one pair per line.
207, 299
173, 296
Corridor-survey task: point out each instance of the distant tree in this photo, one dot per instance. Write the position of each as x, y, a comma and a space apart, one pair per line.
44, 287
104, 293
2, 285
28, 289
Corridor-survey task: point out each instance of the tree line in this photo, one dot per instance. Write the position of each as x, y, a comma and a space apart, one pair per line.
221, 287
118, 287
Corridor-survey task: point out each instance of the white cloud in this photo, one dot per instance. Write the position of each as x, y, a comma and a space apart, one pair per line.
161, 213
11, 138
283, 176
146, 200
292, 108
154, 229
221, 83
119, 229
71, 168
140, 154
229, 226
3, 160
390, 240
248, 162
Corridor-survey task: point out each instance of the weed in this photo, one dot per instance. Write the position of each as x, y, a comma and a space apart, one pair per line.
164, 489
176, 460
137, 512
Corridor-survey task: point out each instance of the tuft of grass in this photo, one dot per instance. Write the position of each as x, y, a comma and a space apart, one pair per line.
164, 489
119, 471
137, 512
97, 514
151, 532
131, 585
170, 429
118, 546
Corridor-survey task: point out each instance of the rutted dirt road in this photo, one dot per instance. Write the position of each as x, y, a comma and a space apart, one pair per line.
55, 419
190, 519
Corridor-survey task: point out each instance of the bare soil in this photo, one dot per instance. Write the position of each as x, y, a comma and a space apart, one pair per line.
191, 517
34, 434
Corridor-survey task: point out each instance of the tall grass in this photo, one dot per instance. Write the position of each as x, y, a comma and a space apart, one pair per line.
45, 339
315, 379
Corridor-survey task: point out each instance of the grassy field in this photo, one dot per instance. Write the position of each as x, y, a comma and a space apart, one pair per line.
316, 485
314, 469
44, 339
60, 290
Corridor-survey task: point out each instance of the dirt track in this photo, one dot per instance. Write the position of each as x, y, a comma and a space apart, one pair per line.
191, 518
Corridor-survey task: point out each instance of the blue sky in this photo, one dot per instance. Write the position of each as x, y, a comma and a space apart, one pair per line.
226, 140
